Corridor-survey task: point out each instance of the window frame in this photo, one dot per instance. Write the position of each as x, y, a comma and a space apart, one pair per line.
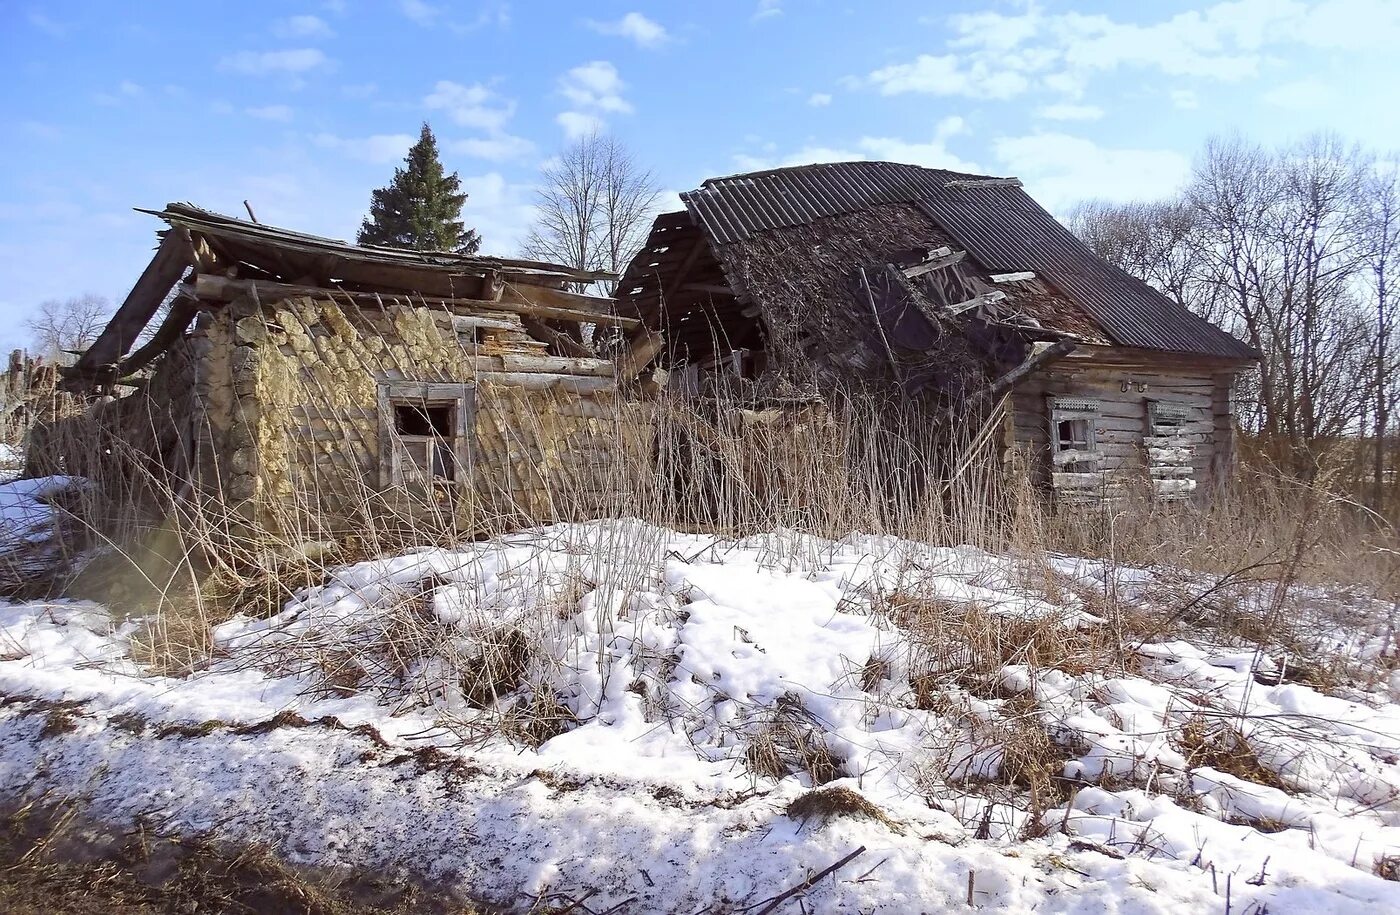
1177, 417
395, 448
1074, 410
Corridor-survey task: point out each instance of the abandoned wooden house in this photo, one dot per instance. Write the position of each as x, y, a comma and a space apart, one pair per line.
953, 287
312, 384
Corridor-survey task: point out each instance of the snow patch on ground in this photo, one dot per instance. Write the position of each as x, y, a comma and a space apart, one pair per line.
666, 659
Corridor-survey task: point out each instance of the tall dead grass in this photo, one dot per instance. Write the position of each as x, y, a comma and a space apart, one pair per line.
173, 550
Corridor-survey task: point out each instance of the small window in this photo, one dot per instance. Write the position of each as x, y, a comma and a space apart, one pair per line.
425, 431
1167, 419
1074, 433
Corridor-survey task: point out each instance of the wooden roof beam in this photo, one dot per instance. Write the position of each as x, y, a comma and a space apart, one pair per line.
223, 289
173, 257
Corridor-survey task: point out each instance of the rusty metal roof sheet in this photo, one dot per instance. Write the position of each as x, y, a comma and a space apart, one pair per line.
995, 219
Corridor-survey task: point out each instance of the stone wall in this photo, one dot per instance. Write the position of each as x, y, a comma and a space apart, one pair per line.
295, 430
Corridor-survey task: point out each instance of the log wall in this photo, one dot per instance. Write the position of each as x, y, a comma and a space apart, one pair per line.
1187, 463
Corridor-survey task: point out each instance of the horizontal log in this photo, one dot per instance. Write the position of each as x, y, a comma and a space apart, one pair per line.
532, 381
223, 289
1062, 458
468, 323
563, 365
1078, 480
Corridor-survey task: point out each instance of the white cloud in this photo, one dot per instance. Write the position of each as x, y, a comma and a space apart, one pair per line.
1070, 112
281, 113
502, 211
305, 26
497, 148
949, 75
819, 99
595, 85
125, 91
470, 106
481, 107
647, 33
1184, 99
1059, 169
379, 149
1001, 55
593, 89
767, 9
578, 124
933, 153
418, 11
263, 63
1300, 95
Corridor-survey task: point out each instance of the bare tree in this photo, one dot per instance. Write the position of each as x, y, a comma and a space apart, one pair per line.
595, 206
60, 328
1380, 228
1276, 246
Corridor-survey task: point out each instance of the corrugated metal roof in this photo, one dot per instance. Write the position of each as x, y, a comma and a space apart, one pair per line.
996, 220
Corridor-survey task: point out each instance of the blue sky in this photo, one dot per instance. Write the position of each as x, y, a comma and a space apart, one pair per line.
304, 107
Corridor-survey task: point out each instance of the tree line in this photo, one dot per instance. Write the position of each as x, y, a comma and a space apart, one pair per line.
1294, 250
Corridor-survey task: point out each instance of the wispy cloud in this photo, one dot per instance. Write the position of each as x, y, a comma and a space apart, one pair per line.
46, 25
767, 9
596, 85
281, 113
126, 91
264, 63
379, 149
1060, 169
647, 33
1067, 111
305, 26
819, 99
419, 11
932, 153
498, 148
578, 124
475, 105
593, 89
481, 107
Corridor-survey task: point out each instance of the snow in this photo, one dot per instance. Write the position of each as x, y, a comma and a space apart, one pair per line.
673, 655
27, 518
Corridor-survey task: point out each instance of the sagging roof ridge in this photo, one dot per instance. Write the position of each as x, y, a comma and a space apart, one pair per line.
198, 219
993, 218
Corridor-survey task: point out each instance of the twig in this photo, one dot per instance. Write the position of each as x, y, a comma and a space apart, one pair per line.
809, 882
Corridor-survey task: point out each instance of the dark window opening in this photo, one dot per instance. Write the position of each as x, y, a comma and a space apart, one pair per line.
1074, 435
423, 419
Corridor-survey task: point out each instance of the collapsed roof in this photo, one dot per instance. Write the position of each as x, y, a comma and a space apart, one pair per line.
698, 275
218, 257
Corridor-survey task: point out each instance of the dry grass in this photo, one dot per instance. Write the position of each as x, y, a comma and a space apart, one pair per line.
823, 804
53, 861
1220, 745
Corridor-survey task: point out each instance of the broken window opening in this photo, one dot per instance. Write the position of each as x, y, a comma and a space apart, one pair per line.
425, 428
423, 419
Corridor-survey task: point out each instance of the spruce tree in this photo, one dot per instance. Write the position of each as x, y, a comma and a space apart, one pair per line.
422, 207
